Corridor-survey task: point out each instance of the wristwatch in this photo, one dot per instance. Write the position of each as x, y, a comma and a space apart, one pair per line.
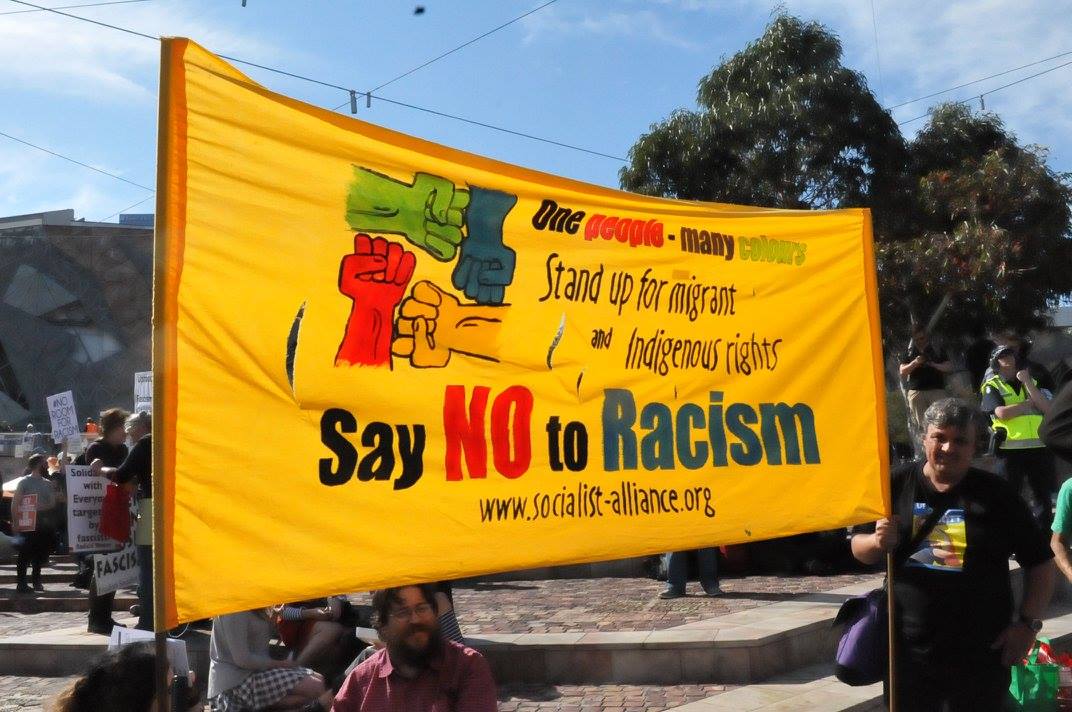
1035, 624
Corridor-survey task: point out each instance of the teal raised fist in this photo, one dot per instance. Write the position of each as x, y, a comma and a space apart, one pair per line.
429, 212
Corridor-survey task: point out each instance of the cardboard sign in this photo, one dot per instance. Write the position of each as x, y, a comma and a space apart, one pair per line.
62, 413
116, 570
26, 518
143, 391
85, 495
176, 649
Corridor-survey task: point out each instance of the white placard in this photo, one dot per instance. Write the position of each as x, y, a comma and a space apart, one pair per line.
117, 570
76, 445
176, 649
63, 416
85, 495
143, 391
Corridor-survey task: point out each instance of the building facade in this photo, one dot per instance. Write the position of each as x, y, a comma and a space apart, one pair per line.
75, 313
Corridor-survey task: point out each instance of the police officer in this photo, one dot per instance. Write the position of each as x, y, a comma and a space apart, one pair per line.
1016, 404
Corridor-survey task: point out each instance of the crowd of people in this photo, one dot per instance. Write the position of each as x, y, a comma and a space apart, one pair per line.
953, 531
38, 517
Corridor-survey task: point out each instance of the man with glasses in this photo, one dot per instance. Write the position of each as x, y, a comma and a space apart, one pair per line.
417, 669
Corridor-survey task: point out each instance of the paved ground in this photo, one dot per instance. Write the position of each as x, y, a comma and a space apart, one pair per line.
616, 604
526, 607
23, 694
560, 606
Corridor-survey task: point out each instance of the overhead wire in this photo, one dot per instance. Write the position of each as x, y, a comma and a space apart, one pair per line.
119, 212
75, 161
347, 89
71, 7
991, 91
474, 122
977, 81
463, 45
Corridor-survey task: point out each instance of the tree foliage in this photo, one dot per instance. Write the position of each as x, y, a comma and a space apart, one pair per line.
963, 210
991, 227
782, 124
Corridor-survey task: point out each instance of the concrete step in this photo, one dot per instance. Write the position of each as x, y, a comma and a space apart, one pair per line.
69, 651
809, 689
57, 597
815, 689
46, 577
735, 649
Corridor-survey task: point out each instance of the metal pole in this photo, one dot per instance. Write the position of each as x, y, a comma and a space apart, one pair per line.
892, 672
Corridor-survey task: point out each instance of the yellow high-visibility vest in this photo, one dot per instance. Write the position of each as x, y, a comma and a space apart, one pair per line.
1023, 430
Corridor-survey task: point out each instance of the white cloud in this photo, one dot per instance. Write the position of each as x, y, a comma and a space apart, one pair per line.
61, 56
643, 23
929, 46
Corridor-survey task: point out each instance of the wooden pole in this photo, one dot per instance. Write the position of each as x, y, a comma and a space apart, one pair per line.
161, 241
890, 634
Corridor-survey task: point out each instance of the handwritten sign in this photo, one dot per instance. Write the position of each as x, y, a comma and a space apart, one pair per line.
61, 412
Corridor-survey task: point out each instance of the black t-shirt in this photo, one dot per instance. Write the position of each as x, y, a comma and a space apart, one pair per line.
926, 377
1056, 429
139, 465
110, 455
953, 592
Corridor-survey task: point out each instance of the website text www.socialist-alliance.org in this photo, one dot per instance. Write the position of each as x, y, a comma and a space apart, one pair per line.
584, 501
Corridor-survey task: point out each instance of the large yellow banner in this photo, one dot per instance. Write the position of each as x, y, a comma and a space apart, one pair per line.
380, 360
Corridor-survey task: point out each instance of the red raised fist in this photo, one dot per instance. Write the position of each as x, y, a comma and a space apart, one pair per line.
375, 276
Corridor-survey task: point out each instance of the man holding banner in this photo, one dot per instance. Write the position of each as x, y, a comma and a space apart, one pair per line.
952, 592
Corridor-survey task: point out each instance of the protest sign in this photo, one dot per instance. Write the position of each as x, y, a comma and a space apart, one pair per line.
25, 513
489, 367
85, 494
76, 444
143, 391
116, 570
63, 416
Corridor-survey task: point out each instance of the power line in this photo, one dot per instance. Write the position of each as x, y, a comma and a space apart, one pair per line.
500, 128
347, 89
76, 162
71, 7
878, 57
991, 91
976, 81
118, 212
462, 46
85, 19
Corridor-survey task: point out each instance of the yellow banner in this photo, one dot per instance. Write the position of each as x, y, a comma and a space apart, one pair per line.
380, 360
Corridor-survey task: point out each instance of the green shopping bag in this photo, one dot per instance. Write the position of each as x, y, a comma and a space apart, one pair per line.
1034, 685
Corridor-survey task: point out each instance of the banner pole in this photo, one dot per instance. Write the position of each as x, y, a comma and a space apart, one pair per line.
161, 238
890, 608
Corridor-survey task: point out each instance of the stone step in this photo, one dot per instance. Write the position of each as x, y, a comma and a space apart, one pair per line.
739, 648
815, 688
57, 597
46, 577
69, 651
809, 689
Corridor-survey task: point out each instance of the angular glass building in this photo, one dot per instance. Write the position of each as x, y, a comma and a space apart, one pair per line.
75, 313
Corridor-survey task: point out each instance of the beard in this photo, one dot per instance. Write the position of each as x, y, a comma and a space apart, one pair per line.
405, 654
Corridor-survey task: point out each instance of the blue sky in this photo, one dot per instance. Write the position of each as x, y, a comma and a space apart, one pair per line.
592, 73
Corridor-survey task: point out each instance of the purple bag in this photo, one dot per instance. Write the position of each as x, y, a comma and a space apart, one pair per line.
863, 651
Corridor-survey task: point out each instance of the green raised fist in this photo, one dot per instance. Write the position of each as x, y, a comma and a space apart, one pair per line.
429, 212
